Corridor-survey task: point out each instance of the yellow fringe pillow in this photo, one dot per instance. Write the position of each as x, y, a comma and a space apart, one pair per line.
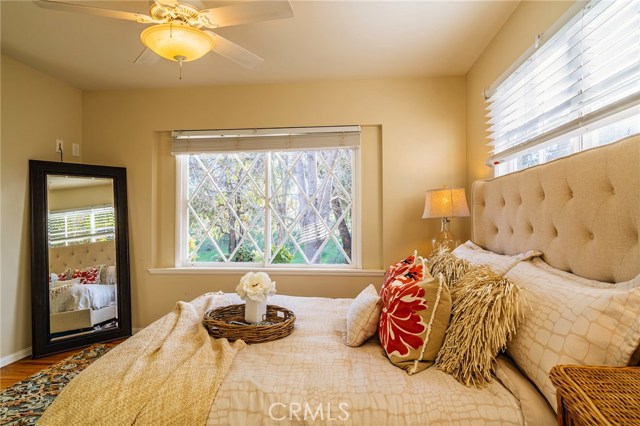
442, 261
487, 309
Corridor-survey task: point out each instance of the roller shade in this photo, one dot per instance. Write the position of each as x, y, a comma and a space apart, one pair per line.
275, 139
585, 73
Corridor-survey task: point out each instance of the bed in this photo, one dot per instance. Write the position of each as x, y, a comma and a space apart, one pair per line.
73, 303
79, 306
576, 219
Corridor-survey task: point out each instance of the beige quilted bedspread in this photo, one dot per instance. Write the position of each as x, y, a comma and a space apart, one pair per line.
311, 377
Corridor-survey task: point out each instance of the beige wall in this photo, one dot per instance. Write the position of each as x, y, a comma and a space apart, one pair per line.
36, 110
414, 140
517, 34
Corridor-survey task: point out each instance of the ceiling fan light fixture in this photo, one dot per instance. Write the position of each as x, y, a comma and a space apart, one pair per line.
177, 42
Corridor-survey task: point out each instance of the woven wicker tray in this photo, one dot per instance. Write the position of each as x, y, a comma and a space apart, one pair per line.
228, 322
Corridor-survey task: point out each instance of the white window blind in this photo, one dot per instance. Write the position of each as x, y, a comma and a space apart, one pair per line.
81, 226
275, 139
585, 77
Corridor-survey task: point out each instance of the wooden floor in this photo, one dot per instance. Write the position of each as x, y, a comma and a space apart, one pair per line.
22, 369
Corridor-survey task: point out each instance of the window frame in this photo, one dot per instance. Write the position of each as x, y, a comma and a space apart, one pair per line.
181, 214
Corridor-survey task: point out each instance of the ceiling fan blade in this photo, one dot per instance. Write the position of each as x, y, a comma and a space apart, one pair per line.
167, 3
245, 13
233, 52
147, 56
88, 10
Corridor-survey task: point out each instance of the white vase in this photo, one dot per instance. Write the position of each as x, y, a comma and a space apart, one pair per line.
254, 312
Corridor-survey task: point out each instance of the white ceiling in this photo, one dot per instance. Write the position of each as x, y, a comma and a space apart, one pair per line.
324, 40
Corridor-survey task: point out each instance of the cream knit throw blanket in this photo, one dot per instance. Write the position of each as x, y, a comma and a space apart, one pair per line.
167, 374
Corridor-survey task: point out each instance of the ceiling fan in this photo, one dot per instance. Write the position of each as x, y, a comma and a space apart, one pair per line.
180, 27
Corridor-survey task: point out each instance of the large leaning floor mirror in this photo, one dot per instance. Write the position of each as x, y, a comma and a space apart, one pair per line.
80, 291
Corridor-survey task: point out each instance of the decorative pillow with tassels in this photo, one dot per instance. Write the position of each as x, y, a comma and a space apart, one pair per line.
487, 309
442, 261
414, 318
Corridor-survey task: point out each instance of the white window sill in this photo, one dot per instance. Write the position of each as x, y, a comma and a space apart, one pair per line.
271, 271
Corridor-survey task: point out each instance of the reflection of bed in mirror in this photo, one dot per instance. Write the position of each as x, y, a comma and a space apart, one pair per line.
82, 294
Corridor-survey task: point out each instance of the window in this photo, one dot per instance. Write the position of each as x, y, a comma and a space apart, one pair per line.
579, 89
82, 226
277, 198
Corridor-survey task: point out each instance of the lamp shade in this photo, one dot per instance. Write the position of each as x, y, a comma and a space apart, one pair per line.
175, 41
445, 202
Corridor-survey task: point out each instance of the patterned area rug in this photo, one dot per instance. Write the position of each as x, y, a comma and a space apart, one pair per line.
24, 402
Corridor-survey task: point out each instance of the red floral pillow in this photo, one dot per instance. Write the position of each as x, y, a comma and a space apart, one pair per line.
414, 318
400, 268
87, 276
64, 275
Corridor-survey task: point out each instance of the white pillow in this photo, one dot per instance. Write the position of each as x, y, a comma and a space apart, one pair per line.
572, 322
574, 279
60, 283
363, 316
535, 408
112, 275
499, 263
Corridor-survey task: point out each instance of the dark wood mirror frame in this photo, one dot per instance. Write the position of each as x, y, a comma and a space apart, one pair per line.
38, 171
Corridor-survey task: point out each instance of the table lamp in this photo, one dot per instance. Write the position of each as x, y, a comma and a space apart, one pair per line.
445, 203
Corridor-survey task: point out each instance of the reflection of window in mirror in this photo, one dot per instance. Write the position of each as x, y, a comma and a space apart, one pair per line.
80, 210
81, 226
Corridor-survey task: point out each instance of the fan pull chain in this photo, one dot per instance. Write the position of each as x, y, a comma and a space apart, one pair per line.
180, 60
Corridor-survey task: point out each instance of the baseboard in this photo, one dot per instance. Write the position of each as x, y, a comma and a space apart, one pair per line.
16, 356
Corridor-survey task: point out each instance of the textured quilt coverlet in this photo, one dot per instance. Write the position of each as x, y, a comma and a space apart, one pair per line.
168, 373
312, 378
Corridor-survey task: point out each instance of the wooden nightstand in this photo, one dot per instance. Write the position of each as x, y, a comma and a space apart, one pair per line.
597, 396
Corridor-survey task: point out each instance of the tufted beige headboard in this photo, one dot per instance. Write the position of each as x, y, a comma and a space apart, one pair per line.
82, 256
582, 212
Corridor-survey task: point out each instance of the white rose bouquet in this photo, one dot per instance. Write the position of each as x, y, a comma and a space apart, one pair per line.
256, 286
